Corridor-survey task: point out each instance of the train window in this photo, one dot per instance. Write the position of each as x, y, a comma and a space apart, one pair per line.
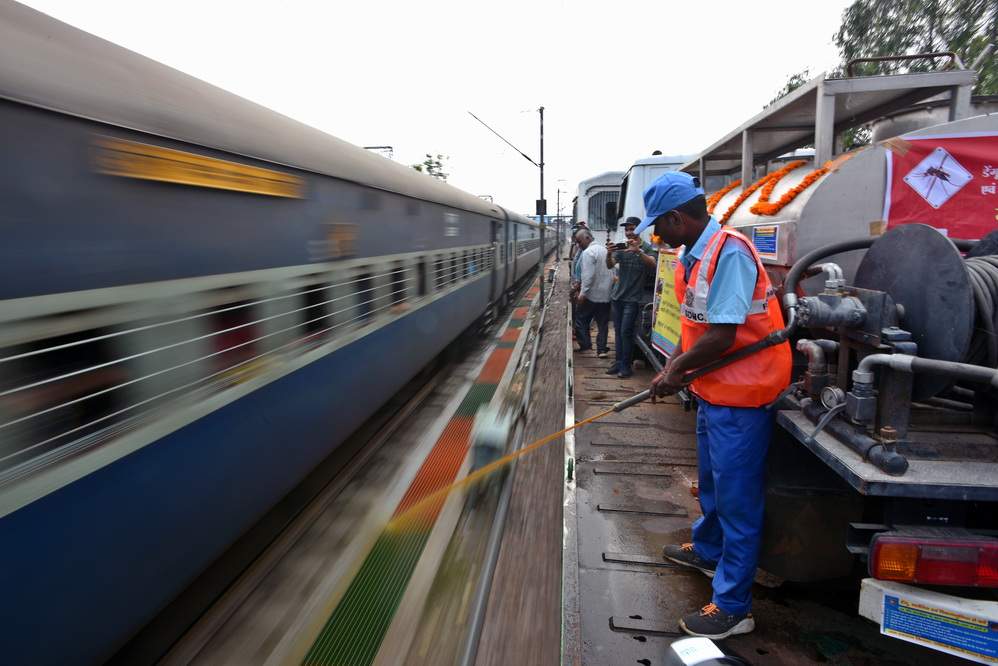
234, 336
502, 253
439, 268
366, 289
421, 276
465, 265
314, 315
398, 282
453, 269
56, 391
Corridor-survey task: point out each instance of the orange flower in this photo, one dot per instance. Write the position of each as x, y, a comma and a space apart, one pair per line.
769, 181
766, 208
767, 190
745, 194
716, 197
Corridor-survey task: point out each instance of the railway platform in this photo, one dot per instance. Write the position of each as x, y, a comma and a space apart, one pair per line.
633, 491
552, 558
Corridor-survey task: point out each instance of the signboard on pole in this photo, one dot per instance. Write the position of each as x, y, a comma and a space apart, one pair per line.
666, 330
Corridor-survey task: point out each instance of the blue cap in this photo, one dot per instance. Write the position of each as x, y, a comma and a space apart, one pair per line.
669, 191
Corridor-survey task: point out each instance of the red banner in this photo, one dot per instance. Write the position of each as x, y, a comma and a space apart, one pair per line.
949, 182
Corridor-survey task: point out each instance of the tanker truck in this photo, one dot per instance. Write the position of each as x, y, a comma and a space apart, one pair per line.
885, 459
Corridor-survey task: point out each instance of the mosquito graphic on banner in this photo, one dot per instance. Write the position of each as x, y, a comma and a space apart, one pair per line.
948, 181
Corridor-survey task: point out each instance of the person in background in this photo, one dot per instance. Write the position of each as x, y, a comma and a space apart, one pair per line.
593, 302
575, 283
726, 303
574, 250
634, 265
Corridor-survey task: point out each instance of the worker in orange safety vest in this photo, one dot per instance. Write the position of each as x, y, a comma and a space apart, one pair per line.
726, 302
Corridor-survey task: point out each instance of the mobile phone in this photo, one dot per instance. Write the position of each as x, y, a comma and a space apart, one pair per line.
621, 246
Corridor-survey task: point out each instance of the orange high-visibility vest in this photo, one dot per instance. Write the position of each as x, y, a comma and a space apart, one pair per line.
757, 379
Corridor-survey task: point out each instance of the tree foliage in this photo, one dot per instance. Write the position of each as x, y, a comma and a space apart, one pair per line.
793, 83
906, 27
872, 28
433, 165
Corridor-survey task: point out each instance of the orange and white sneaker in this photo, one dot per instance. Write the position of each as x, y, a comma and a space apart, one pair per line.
685, 555
713, 622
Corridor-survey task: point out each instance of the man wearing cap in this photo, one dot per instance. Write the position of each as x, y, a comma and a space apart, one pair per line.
634, 265
727, 302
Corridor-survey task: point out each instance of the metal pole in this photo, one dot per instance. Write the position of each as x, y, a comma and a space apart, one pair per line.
541, 267
557, 233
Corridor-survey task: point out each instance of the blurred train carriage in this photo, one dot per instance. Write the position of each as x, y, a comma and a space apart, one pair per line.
201, 299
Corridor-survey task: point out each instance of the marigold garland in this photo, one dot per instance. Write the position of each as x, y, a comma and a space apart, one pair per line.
766, 208
769, 182
716, 197
777, 176
745, 194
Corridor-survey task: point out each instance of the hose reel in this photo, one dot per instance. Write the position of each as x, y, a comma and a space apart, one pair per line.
941, 294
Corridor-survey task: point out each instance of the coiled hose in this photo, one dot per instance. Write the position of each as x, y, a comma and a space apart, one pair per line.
983, 273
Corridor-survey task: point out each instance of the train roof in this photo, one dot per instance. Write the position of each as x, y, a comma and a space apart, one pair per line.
52, 65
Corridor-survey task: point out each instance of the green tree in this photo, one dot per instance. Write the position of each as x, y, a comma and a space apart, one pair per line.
433, 166
793, 83
873, 28
906, 27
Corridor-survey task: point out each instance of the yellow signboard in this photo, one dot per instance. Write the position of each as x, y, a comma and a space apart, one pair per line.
117, 157
665, 333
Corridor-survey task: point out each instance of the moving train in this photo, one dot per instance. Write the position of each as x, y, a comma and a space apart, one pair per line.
200, 299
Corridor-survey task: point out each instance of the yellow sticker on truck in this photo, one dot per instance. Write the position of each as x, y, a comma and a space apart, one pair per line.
131, 159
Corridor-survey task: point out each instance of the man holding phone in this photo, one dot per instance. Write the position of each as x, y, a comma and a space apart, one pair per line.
635, 261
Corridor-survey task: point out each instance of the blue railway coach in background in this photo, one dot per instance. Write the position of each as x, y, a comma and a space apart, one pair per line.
191, 289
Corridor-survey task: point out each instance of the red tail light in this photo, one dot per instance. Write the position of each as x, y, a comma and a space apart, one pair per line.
966, 561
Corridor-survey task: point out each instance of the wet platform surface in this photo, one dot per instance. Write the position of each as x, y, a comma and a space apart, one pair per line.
632, 494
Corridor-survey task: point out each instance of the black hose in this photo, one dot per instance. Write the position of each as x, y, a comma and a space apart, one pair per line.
869, 449
983, 272
802, 264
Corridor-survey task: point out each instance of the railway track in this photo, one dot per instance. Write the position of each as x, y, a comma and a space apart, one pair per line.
284, 605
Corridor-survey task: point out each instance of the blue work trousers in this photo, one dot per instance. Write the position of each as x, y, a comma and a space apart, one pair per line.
731, 446
625, 314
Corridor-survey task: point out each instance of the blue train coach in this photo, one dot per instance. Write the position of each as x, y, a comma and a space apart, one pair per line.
192, 288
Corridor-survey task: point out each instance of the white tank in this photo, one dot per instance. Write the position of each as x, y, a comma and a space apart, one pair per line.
847, 202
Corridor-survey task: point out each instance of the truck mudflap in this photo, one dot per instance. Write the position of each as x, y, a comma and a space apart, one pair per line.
959, 626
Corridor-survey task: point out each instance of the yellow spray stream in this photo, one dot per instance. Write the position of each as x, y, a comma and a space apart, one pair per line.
403, 519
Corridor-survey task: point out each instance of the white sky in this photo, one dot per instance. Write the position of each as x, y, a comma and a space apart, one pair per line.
617, 79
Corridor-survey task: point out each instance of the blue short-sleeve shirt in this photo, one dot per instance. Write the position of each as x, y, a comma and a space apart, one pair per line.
731, 289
